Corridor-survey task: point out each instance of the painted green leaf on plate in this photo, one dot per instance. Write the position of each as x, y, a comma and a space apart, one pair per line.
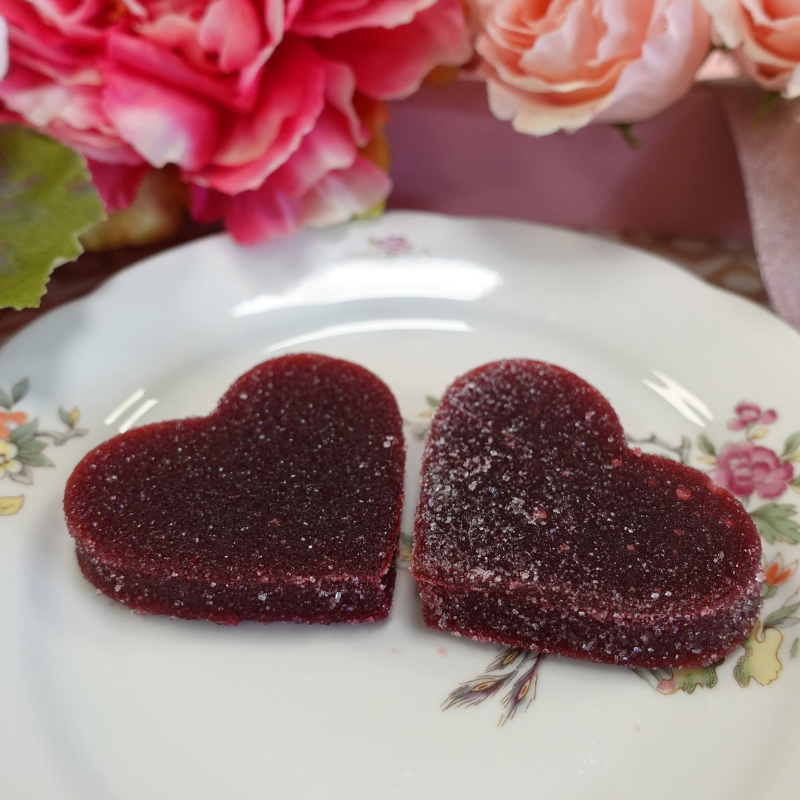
705, 445
47, 200
792, 443
774, 523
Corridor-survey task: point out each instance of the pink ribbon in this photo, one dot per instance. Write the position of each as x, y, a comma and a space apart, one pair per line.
768, 146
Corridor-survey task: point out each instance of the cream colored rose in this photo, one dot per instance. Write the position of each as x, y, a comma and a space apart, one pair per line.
560, 64
764, 36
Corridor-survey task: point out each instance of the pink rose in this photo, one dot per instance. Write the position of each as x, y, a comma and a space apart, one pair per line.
266, 106
744, 468
750, 414
764, 36
560, 64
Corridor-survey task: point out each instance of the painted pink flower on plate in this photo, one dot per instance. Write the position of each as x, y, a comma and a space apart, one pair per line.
744, 468
265, 105
560, 64
750, 414
764, 36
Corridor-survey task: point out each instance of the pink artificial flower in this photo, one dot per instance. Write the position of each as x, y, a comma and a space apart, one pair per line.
744, 468
266, 106
751, 414
559, 64
764, 36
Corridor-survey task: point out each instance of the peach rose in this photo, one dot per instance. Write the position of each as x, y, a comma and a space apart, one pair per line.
764, 36
559, 64
267, 107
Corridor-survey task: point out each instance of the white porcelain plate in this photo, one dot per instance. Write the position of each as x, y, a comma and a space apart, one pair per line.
97, 703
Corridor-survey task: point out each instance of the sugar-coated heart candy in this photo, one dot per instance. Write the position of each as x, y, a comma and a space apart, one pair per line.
283, 504
538, 527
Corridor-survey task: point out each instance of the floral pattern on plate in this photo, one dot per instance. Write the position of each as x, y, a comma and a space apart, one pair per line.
22, 444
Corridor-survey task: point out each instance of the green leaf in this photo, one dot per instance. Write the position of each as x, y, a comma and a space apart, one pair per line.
774, 525
795, 648
431, 400
24, 433
35, 460
21, 389
5, 399
780, 614
767, 102
704, 443
34, 446
626, 129
69, 418
791, 444
47, 200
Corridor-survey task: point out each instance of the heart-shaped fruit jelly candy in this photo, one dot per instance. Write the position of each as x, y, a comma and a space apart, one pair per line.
538, 527
283, 504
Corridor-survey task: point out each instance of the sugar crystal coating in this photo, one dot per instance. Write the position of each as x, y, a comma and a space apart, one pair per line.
539, 527
283, 504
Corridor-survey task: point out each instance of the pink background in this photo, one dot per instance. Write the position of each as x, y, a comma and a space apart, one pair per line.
451, 155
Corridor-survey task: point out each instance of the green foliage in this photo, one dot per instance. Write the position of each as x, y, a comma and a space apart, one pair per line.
705, 445
782, 616
792, 443
626, 129
767, 102
30, 448
47, 200
20, 389
774, 523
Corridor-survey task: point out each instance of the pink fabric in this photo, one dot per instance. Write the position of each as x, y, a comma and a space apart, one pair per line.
451, 155
769, 155
684, 178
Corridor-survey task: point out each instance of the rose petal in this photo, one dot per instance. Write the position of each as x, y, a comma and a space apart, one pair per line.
232, 30
328, 18
391, 63
327, 147
265, 213
163, 124
116, 183
667, 67
765, 40
257, 144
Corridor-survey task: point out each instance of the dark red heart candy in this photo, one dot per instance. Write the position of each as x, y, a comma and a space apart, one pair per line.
538, 527
283, 504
